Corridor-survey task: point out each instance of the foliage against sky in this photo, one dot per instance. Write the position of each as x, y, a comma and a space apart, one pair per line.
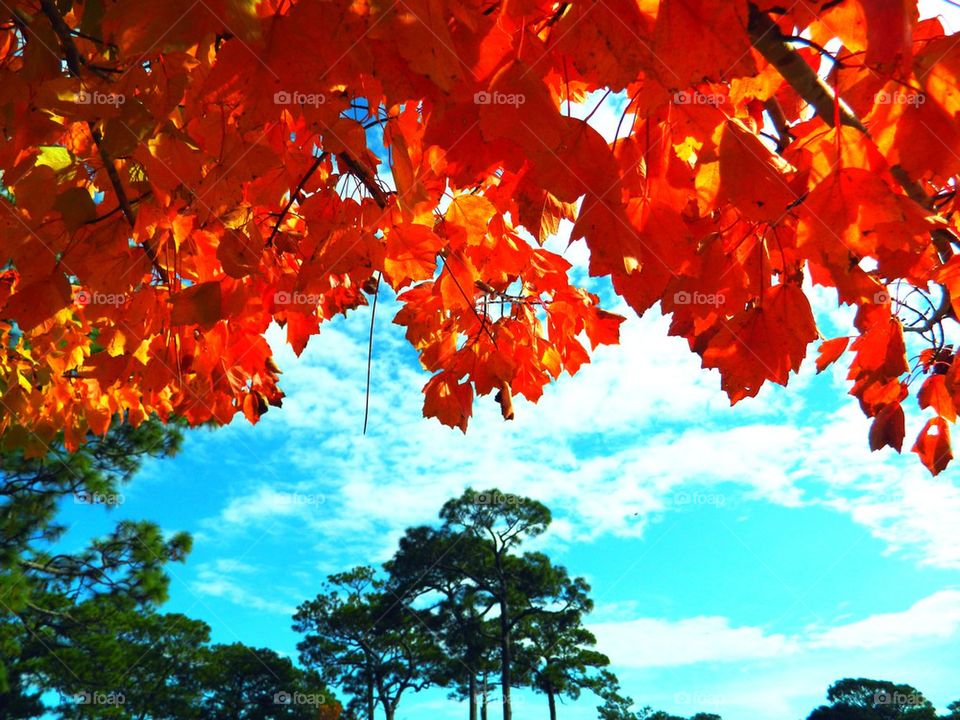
175, 181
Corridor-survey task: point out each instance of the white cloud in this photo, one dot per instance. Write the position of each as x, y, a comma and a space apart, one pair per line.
215, 580
268, 502
650, 642
934, 617
658, 643
608, 451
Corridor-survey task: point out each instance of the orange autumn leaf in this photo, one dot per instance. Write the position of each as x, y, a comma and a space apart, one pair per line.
448, 400
933, 445
765, 342
936, 395
38, 301
755, 179
411, 254
198, 304
830, 351
888, 428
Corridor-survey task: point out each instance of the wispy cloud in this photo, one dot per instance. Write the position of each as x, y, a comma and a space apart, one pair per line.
655, 642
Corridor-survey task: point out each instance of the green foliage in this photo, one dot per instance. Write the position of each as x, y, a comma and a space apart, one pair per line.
457, 614
354, 638
244, 683
46, 592
127, 664
615, 706
865, 699
486, 608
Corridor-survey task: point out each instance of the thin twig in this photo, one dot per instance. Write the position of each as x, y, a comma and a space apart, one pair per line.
373, 316
365, 176
942, 312
294, 195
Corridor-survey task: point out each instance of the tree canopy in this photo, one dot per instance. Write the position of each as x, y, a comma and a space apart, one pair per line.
866, 699
176, 180
47, 596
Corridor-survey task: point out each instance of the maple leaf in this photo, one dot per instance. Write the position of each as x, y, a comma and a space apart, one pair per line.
765, 342
933, 445
198, 304
830, 352
37, 302
753, 178
448, 400
888, 428
935, 394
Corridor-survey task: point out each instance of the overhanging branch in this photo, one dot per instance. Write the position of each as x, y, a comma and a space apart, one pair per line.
74, 63
768, 39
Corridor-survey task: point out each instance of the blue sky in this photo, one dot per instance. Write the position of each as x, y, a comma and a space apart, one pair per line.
741, 558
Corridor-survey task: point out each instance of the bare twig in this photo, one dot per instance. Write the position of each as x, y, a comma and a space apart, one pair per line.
373, 316
942, 311
365, 176
294, 195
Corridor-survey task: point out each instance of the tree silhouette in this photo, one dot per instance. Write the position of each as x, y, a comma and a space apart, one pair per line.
45, 592
354, 639
865, 699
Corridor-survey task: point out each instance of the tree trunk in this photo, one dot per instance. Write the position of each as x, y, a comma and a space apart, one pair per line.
473, 696
483, 707
553, 704
505, 655
389, 710
370, 702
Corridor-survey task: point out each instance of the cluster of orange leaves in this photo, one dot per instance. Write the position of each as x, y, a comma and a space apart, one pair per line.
175, 179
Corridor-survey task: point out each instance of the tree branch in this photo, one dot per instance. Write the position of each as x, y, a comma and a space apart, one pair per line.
294, 195
767, 38
775, 110
74, 62
366, 178
941, 312
65, 35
